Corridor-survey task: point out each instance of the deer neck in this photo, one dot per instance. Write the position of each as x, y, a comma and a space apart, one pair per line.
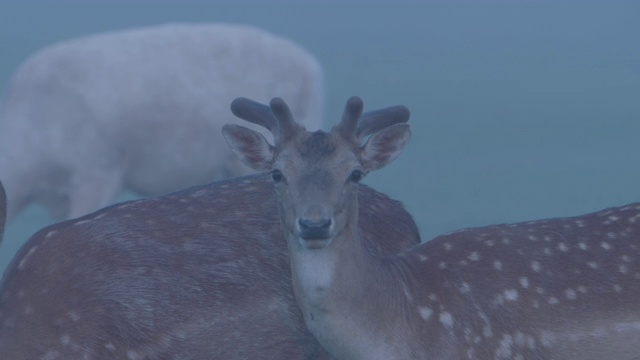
352, 300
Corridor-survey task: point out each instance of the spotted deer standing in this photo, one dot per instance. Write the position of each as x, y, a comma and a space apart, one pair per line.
564, 288
198, 274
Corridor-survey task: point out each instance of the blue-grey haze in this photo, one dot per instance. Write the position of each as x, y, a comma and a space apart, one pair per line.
520, 109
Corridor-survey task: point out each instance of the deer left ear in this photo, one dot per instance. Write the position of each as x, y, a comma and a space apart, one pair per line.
384, 146
250, 146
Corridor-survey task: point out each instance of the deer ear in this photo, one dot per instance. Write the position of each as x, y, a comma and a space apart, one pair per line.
384, 146
250, 146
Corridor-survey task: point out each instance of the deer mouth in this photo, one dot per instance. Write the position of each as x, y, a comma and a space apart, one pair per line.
314, 243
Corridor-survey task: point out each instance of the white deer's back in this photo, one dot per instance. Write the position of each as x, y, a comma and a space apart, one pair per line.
147, 104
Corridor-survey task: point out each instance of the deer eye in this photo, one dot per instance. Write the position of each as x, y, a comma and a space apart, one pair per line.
356, 176
277, 175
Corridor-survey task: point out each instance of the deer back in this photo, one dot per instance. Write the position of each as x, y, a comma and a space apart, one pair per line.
199, 274
560, 288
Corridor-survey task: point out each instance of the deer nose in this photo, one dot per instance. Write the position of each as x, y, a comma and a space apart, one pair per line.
314, 223
317, 228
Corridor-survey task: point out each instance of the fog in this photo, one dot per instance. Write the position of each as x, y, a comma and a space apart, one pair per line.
520, 110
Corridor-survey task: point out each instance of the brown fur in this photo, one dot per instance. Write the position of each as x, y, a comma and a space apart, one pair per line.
198, 274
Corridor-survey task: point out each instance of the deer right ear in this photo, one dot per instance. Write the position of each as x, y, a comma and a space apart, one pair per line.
250, 146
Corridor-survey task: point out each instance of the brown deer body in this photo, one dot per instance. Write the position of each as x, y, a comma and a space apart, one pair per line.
552, 289
197, 274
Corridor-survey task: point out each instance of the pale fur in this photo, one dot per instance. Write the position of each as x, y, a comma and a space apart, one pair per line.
140, 110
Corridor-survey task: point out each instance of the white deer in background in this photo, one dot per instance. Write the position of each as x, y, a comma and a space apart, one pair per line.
565, 288
140, 110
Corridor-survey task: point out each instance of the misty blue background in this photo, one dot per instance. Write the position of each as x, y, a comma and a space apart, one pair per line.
520, 110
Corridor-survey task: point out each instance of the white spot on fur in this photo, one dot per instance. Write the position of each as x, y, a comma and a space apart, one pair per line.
605, 245
524, 282
23, 262
425, 312
80, 222
563, 247
497, 264
446, 319
487, 331
511, 294
504, 350
407, 294
65, 339
570, 294
464, 288
125, 205
582, 246
474, 256
535, 266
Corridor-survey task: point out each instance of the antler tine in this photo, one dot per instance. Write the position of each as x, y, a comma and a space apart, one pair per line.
352, 112
255, 112
374, 121
283, 114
